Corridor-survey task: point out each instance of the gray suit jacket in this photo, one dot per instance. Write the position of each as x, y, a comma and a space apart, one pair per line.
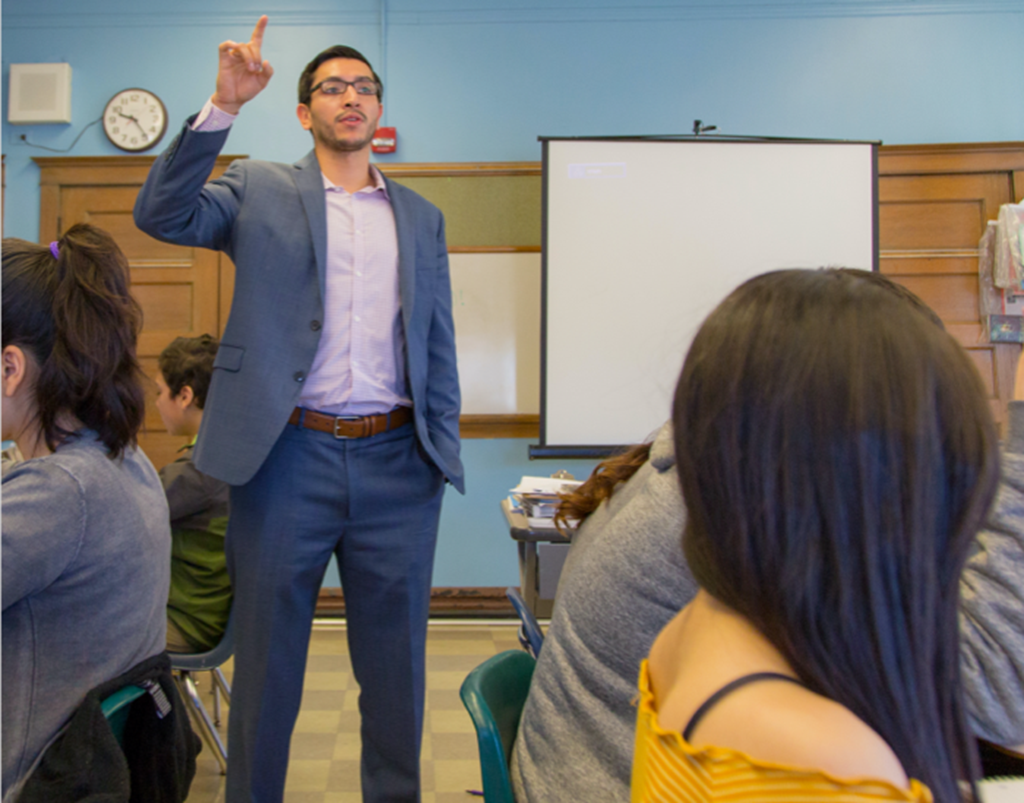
271, 219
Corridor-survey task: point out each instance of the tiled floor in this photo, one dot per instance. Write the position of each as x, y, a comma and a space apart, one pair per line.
324, 766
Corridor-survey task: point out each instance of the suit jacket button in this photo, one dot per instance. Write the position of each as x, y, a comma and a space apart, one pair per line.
300, 376
315, 326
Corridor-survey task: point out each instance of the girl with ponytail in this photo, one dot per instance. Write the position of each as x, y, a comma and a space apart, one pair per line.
86, 539
69, 321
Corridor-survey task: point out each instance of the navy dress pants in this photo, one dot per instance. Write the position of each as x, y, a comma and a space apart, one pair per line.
374, 503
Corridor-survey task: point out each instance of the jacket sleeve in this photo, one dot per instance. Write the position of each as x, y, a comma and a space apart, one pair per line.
178, 205
444, 399
992, 605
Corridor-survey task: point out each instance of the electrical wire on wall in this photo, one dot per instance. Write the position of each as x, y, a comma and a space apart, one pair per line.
24, 138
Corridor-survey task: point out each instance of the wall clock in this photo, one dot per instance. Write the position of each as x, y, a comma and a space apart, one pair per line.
134, 120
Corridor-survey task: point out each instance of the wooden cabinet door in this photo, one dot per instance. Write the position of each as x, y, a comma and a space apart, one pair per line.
183, 291
934, 204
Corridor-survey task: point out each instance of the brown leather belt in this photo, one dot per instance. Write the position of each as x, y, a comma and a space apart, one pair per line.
351, 426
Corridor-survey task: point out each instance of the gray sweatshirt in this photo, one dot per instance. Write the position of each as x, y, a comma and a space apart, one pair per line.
992, 605
625, 579
86, 567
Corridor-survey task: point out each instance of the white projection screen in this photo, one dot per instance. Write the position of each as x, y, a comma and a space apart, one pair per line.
643, 237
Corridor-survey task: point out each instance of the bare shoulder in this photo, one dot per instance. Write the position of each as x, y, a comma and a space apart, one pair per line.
783, 723
663, 660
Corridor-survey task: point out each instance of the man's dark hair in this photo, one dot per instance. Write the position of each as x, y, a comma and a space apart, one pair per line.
188, 362
334, 52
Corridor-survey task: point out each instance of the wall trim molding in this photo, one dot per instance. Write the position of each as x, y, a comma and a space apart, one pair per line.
487, 602
513, 425
566, 12
431, 169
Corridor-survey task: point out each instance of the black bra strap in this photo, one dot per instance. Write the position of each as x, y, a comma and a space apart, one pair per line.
728, 688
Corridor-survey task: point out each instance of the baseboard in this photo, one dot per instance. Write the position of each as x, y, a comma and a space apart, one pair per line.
485, 602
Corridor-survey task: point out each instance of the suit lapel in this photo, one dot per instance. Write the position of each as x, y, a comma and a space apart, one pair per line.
310, 184
406, 231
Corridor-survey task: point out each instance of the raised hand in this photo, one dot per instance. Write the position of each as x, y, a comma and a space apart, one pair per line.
241, 73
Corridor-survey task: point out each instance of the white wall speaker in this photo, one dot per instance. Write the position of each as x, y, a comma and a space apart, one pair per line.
39, 93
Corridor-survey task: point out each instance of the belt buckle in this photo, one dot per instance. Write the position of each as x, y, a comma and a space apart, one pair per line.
338, 435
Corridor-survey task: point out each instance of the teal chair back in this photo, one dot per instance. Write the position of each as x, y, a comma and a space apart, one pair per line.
494, 694
116, 708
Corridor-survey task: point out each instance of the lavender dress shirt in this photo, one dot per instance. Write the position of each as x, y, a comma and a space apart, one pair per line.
359, 368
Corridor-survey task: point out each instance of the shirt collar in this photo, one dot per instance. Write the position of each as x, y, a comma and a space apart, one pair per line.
378, 183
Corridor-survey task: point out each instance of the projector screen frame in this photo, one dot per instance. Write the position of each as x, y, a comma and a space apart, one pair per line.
544, 450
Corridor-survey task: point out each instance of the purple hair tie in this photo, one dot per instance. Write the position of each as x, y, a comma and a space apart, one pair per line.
55, 249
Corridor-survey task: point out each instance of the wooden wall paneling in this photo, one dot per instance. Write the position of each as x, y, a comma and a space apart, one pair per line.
948, 159
934, 204
492, 208
180, 289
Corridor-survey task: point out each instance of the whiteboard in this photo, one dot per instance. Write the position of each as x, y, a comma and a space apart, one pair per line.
496, 310
643, 238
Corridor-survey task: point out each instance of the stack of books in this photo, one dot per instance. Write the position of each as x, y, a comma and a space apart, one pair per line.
538, 498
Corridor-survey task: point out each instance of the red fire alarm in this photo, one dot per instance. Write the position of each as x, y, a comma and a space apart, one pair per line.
385, 140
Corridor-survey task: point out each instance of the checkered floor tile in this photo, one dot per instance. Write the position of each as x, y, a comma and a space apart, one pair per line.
324, 765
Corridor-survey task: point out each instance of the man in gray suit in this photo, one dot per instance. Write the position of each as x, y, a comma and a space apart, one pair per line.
333, 409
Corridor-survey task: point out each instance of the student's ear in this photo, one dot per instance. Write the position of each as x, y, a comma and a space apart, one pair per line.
14, 369
305, 119
185, 397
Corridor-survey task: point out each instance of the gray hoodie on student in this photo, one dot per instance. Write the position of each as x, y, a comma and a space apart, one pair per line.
625, 577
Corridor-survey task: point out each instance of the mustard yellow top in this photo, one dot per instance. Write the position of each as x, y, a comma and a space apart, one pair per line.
667, 768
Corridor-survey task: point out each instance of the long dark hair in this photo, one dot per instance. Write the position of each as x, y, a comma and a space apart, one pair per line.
837, 456
73, 313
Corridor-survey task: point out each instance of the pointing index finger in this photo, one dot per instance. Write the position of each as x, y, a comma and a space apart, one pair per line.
257, 32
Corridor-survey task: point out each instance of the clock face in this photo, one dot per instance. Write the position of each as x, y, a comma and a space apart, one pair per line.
134, 120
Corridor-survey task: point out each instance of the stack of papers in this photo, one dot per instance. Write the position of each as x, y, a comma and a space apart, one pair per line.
1009, 789
538, 499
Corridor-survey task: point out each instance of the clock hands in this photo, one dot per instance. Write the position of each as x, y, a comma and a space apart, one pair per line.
130, 117
134, 120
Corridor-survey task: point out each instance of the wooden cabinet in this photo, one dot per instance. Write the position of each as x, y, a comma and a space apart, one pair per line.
934, 203
182, 291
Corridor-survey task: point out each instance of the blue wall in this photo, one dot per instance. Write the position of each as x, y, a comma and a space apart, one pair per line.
479, 81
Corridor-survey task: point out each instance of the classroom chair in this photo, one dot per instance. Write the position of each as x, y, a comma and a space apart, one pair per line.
530, 634
116, 707
494, 694
184, 666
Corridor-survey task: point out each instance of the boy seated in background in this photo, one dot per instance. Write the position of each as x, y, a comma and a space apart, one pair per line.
200, 597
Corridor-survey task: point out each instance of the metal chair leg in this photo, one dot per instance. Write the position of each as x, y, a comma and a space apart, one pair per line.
220, 687
194, 704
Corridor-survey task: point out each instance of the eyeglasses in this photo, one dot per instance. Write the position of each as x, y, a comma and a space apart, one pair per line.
338, 86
